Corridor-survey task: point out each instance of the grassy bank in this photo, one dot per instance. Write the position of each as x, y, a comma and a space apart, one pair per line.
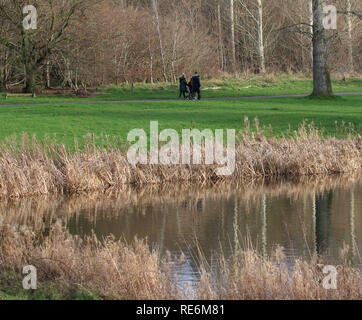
70, 268
268, 85
42, 168
71, 118
72, 121
224, 87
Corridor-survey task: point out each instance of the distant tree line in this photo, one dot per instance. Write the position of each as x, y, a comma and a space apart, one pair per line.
98, 42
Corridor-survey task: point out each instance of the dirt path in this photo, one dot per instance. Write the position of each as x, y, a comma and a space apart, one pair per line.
165, 100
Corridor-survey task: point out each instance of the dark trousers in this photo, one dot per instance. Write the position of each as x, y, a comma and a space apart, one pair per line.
182, 93
191, 94
198, 91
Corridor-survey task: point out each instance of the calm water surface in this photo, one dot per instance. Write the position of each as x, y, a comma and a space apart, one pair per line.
301, 219
304, 219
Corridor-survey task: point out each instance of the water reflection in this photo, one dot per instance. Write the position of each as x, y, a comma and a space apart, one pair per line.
305, 217
323, 203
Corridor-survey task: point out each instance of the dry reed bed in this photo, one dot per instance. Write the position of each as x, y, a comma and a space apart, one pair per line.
114, 270
249, 276
110, 269
45, 168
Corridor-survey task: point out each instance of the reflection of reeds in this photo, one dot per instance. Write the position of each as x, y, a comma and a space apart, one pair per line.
45, 168
108, 270
115, 270
43, 210
248, 275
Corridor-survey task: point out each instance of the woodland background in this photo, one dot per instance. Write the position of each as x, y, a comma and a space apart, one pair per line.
102, 42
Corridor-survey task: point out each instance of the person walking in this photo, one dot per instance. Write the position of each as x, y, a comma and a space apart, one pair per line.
183, 86
191, 89
196, 86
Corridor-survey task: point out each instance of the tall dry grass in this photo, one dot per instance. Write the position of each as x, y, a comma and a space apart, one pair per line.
43, 168
109, 269
114, 270
250, 276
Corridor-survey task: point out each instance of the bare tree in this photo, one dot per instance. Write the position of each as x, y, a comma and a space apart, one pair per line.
349, 32
232, 30
35, 46
157, 21
260, 36
153, 40
322, 84
5, 56
310, 15
220, 38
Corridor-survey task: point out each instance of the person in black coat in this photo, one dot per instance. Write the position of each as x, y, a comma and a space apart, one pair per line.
196, 85
191, 89
183, 86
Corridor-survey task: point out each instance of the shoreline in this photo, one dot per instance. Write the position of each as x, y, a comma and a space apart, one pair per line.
88, 269
38, 169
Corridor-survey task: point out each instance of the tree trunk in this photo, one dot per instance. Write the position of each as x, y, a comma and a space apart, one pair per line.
151, 69
30, 80
232, 27
310, 14
29, 65
322, 85
3, 64
260, 37
155, 8
221, 53
151, 58
2, 78
47, 85
350, 43
174, 50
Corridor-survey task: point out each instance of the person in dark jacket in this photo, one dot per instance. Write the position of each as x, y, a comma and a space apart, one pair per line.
183, 86
191, 89
196, 86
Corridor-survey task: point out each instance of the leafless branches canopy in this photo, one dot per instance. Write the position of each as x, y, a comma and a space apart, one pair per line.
92, 43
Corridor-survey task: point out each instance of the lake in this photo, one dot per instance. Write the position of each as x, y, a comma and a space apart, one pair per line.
305, 218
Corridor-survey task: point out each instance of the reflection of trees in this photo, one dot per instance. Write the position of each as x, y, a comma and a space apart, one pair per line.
163, 229
322, 220
236, 223
264, 224
352, 225
218, 216
314, 220
237, 226
138, 201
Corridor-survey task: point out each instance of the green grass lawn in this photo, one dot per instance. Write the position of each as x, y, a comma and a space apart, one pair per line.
46, 291
11, 289
117, 119
256, 86
253, 86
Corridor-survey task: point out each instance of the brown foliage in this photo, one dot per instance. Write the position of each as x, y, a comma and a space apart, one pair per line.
47, 168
